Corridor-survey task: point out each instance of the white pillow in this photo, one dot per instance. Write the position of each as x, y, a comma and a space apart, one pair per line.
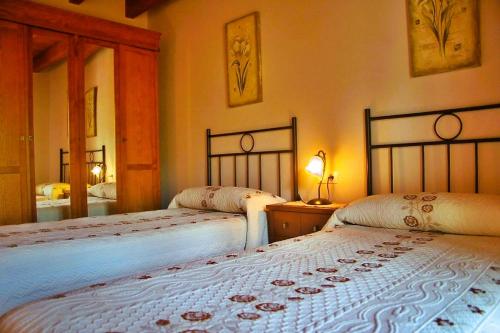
459, 213
96, 190
220, 198
110, 190
103, 190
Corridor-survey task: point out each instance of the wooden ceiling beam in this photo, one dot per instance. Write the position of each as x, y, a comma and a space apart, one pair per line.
59, 53
134, 8
51, 56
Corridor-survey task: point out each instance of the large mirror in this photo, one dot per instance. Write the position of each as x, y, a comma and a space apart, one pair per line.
51, 124
100, 129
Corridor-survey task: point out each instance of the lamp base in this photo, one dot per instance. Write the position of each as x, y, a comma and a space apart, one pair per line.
319, 201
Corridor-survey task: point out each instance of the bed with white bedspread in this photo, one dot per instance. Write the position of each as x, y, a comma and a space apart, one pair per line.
346, 279
42, 259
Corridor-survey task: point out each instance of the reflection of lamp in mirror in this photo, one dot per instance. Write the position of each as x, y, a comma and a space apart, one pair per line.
96, 170
316, 167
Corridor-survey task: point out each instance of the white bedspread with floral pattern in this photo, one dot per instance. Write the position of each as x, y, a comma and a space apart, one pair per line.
349, 279
41, 259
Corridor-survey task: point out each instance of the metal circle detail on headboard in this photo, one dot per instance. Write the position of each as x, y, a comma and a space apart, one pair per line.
460, 126
252, 142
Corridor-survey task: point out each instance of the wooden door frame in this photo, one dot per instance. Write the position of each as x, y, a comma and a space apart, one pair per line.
77, 137
48, 17
31, 199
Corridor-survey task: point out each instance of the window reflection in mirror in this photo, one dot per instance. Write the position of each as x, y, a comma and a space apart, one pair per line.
100, 129
51, 124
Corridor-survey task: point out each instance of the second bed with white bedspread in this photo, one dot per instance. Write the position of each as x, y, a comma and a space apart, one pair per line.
42, 259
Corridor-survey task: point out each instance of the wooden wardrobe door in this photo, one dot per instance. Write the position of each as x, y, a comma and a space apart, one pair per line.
16, 135
138, 182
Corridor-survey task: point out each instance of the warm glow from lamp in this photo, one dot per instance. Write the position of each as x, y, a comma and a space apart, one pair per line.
96, 170
316, 166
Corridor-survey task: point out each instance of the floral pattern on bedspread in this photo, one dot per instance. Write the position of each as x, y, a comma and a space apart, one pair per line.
349, 279
108, 226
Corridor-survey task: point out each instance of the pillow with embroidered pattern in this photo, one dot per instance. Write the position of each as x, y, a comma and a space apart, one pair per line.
220, 198
103, 190
458, 213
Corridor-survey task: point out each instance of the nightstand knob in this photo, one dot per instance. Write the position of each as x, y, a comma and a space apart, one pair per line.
285, 225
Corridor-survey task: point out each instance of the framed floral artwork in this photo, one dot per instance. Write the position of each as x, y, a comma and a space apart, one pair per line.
443, 35
90, 112
244, 79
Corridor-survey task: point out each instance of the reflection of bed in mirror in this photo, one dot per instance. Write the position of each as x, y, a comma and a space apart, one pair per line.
53, 202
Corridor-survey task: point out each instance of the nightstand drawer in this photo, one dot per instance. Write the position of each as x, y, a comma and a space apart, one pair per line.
312, 222
293, 219
283, 225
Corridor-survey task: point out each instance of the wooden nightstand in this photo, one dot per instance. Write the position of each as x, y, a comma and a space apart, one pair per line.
293, 219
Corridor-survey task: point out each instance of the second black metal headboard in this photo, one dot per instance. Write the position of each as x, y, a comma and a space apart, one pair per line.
91, 162
249, 151
441, 140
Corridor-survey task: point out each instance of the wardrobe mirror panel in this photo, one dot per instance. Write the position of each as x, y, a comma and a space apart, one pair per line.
100, 129
49, 51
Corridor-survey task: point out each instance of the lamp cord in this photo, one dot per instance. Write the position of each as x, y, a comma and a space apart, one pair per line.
328, 189
328, 182
322, 155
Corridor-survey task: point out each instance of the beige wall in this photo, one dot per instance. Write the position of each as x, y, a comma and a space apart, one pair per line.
99, 72
50, 118
323, 61
40, 125
113, 10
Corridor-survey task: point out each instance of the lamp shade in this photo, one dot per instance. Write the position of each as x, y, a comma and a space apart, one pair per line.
315, 166
96, 170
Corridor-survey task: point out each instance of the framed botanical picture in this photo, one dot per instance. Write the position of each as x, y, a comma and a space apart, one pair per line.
443, 35
90, 112
244, 79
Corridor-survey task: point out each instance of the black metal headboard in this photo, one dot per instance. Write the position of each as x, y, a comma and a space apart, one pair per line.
248, 151
64, 173
92, 157
441, 140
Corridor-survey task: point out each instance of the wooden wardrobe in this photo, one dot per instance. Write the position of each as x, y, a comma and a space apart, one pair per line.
137, 156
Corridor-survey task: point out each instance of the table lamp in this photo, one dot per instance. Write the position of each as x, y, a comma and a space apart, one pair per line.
316, 167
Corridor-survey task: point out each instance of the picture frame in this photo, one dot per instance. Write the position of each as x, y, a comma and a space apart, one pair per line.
443, 35
91, 112
243, 60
